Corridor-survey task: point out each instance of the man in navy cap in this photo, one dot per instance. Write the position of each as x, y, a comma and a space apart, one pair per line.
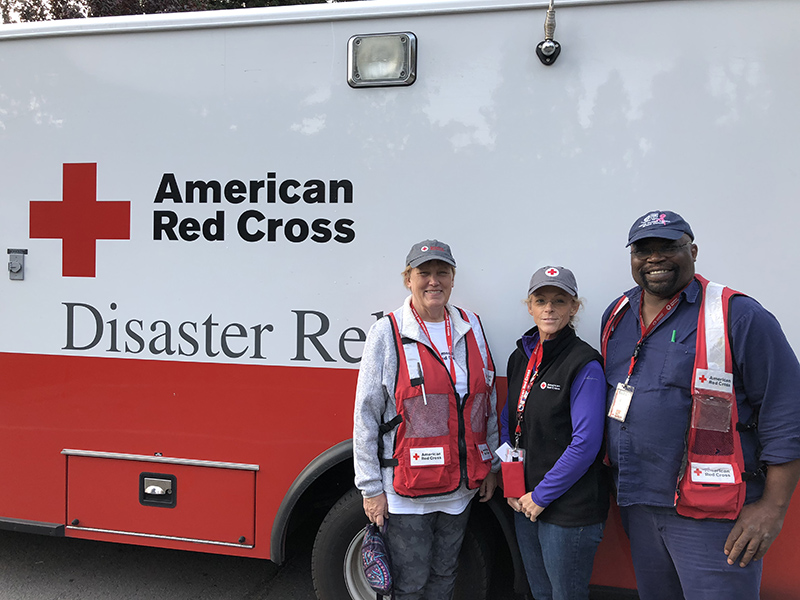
703, 421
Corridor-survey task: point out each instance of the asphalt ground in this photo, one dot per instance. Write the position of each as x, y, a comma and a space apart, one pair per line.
34, 567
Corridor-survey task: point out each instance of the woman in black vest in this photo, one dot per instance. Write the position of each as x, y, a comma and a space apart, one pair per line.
555, 416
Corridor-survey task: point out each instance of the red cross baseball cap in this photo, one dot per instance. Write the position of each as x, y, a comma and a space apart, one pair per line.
659, 224
429, 250
559, 277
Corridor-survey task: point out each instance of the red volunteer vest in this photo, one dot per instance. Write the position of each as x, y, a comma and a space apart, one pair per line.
440, 441
711, 485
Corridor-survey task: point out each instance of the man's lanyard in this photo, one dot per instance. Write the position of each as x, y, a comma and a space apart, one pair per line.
448, 332
646, 331
527, 384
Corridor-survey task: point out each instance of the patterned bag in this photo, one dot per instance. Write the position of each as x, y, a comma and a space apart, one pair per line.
375, 560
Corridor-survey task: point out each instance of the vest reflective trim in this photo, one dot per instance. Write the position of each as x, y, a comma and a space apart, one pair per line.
478, 331
714, 377
413, 362
611, 324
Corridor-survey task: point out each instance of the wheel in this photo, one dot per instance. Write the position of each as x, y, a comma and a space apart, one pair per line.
336, 557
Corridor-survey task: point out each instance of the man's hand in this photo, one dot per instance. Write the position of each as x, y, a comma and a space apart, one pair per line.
760, 523
488, 486
752, 535
376, 509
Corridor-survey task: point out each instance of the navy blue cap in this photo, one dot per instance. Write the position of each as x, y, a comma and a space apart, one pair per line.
659, 224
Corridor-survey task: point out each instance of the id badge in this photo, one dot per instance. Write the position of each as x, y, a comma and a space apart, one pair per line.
621, 402
507, 454
486, 454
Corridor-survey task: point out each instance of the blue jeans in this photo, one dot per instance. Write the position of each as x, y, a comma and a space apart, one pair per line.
677, 558
558, 560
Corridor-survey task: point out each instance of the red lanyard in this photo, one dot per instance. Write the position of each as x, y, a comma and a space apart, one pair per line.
448, 332
646, 331
527, 384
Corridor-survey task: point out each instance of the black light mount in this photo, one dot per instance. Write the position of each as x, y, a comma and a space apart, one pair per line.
549, 49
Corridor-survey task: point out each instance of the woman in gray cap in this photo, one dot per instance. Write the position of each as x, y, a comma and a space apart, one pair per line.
425, 426
553, 420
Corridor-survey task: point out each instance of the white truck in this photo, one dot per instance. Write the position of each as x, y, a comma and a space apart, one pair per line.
203, 214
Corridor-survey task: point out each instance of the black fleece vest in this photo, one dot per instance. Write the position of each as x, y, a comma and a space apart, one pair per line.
547, 428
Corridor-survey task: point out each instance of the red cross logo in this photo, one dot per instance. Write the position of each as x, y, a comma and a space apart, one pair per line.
703, 378
79, 220
416, 456
698, 472
551, 272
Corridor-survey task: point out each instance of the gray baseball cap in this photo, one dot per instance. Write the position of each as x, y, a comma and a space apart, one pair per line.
429, 250
559, 277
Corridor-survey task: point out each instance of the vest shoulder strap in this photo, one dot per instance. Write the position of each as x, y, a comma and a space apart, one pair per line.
613, 320
477, 330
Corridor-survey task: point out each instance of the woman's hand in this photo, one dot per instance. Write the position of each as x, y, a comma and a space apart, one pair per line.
529, 508
488, 486
514, 503
376, 509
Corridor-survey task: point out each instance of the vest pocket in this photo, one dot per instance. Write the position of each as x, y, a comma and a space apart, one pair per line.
480, 413
426, 416
479, 463
425, 468
710, 501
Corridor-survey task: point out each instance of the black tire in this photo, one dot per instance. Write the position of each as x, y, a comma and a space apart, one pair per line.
335, 559
334, 544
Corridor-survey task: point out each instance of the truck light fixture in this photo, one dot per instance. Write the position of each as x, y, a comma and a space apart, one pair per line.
382, 59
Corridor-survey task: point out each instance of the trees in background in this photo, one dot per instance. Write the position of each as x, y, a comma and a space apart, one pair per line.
44, 10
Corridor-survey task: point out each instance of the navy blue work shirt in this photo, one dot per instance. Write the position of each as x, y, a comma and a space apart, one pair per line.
646, 451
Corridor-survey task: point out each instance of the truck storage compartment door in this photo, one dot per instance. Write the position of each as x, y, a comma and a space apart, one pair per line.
177, 499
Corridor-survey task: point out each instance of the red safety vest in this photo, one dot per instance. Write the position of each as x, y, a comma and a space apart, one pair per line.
441, 440
711, 485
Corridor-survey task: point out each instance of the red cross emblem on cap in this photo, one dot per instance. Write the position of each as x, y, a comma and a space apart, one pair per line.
79, 220
703, 378
551, 272
424, 249
416, 456
698, 472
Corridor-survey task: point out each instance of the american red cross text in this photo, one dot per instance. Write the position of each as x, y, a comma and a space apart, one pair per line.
79, 220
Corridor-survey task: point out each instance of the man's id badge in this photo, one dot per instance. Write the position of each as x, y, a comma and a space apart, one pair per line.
621, 402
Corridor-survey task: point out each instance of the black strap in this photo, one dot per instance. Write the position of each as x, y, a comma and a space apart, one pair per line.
759, 473
383, 429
